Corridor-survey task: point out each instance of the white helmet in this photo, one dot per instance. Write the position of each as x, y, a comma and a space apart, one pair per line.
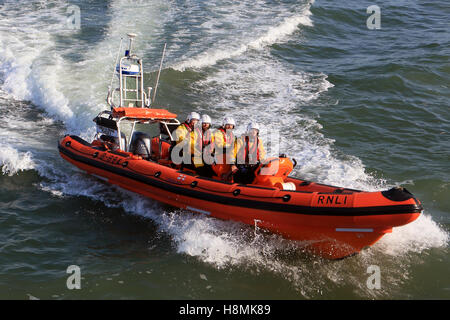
193, 115
228, 120
206, 119
252, 125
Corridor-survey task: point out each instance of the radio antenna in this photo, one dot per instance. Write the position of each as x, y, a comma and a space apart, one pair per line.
159, 72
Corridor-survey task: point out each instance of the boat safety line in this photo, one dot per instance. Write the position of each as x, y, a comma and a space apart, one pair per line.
255, 204
201, 187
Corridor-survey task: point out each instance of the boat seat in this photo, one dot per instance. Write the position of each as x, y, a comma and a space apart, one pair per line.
113, 142
165, 149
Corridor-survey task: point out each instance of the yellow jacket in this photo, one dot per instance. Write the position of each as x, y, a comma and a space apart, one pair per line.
223, 143
182, 133
250, 151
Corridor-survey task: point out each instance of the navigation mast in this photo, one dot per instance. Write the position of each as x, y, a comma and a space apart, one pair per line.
130, 73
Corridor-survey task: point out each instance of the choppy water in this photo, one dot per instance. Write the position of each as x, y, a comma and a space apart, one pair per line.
358, 108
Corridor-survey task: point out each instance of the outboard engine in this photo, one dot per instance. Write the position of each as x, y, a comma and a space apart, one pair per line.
141, 145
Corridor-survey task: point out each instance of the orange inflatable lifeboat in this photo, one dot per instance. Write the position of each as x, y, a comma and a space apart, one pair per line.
335, 222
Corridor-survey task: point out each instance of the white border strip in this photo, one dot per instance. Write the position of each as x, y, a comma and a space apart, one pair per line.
99, 177
198, 210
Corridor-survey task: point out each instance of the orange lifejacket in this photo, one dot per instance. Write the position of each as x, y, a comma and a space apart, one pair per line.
207, 146
249, 153
227, 137
228, 140
206, 138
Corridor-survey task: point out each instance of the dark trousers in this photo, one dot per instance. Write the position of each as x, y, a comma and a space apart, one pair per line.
245, 174
206, 171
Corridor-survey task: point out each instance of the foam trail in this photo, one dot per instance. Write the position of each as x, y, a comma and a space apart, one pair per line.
272, 35
13, 161
27, 63
98, 63
33, 67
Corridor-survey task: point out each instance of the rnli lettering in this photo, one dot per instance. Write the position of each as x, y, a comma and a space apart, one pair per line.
328, 200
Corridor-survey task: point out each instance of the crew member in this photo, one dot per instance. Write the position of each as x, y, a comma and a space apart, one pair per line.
250, 152
207, 137
207, 147
187, 133
225, 149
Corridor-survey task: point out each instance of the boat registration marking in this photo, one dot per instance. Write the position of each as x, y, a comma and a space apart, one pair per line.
198, 210
353, 230
331, 200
